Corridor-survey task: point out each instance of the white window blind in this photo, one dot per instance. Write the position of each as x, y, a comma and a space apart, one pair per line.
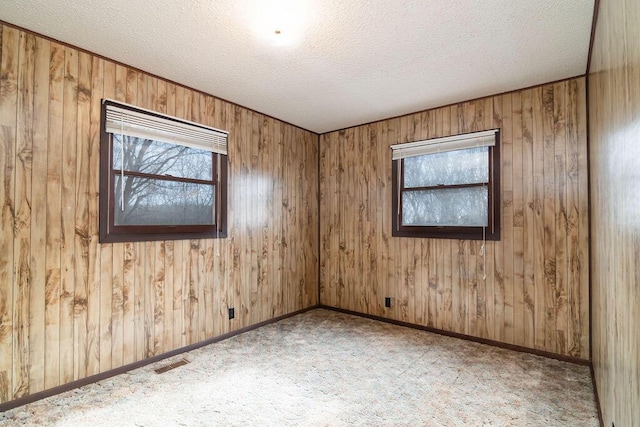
158, 127
448, 143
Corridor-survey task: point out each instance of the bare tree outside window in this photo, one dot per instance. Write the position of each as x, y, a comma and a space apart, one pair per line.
157, 199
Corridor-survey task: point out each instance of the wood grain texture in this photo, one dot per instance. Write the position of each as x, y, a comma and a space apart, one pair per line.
440, 283
71, 307
38, 216
67, 216
54, 225
8, 124
614, 152
22, 220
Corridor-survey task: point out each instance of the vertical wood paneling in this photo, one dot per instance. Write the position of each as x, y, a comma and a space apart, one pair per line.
549, 209
561, 226
573, 273
54, 208
8, 132
532, 224
518, 220
71, 307
81, 231
67, 216
614, 153
506, 249
38, 216
537, 275
524, 298
22, 222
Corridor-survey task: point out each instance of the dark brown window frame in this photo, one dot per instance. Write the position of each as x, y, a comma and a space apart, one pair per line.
491, 232
109, 232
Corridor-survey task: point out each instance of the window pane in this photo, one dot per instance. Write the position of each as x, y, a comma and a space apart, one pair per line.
158, 202
468, 166
160, 158
446, 207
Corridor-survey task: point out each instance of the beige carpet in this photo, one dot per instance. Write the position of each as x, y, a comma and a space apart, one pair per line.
326, 368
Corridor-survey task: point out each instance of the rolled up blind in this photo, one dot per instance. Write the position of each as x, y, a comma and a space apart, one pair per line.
447, 143
136, 122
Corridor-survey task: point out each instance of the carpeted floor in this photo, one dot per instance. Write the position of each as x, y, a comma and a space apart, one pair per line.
324, 368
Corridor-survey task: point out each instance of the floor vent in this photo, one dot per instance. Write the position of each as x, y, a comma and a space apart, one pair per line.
171, 366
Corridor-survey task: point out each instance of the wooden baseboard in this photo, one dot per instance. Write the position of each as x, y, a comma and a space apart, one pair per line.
113, 372
493, 343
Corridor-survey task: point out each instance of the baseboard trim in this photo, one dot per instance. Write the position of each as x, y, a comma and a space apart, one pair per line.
549, 355
121, 370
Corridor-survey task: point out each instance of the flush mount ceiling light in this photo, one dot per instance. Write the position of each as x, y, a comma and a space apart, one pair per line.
278, 22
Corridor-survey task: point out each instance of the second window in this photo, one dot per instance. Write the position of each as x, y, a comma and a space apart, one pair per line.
447, 187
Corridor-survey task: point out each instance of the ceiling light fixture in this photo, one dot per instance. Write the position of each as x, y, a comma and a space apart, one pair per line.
278, 22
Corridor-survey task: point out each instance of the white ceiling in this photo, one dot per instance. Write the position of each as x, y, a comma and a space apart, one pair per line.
336, 63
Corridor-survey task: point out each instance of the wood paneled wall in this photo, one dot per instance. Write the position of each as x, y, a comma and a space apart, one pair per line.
536, 288
614, 152
70, 307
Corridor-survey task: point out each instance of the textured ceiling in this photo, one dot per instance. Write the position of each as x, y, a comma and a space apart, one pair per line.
336, 63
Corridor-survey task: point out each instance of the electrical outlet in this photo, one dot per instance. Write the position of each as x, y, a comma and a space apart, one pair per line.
387, 301
232, 313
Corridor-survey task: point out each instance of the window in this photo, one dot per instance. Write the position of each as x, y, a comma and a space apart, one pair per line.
447, 187
161, 178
